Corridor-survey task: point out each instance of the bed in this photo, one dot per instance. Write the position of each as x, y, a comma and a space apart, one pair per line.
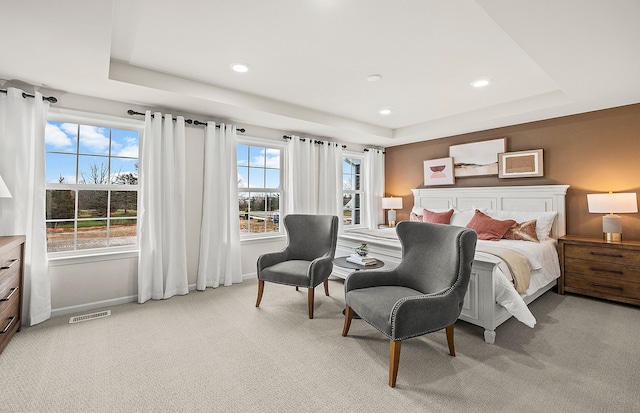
491, 298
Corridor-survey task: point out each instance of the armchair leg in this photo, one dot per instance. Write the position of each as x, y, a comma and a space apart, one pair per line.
260, 291
394, 360
348, 316
310, 300
452, 350
326, 287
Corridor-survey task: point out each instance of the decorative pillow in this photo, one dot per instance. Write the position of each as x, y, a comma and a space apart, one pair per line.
544, 220
415, 217
524, 231
489, 228
437, 217
461, 218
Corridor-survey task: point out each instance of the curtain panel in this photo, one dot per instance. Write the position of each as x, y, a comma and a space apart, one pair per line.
219, 260
374, 187
162, 262
22, 166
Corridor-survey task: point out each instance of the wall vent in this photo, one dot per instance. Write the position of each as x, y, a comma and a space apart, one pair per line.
88, 317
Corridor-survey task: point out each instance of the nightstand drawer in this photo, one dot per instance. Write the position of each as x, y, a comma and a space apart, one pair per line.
603, 254
602, 287
601, 269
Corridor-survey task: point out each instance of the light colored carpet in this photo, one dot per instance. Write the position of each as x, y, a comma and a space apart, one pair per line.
213, 351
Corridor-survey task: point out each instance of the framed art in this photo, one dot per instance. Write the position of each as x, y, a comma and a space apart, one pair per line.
477, 158
439, 172
522, 164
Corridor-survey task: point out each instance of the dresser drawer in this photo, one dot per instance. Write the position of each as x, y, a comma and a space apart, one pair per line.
601, 269
9, 314
602, 254
602, 287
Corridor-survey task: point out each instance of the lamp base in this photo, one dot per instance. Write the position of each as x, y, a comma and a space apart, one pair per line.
612, 236
391, 218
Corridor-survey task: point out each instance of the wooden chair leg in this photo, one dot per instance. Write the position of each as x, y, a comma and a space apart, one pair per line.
348, 316
452, 349
260, 291
310, 300
394, 360
297, 288
326, 287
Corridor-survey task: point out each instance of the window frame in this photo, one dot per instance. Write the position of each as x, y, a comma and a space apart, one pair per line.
249, 237
102, 253
361, 191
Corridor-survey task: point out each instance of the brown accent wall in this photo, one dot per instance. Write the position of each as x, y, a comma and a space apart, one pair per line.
593, 152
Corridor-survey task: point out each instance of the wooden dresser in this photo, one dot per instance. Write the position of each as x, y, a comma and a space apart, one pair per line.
11, 283
593, 267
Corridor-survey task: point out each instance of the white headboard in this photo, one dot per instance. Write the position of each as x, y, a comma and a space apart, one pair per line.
537, 198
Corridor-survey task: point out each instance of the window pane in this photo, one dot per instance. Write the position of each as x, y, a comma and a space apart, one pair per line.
257, 212
61, 137
60, 169
256, 156
92, 204
243, 177
273, 178
93, 170
124, 171
273, 212
242, 152
347, 208
272, 158
124, 143
243, 207
61, 204
94, 140
122, 232
256, 178
124, 204
60, 236
92, 234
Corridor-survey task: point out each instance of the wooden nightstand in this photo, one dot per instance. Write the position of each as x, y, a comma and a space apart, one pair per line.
593, 267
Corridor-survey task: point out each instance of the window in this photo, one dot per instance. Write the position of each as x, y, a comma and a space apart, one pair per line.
91, 185
259, 188
352, 191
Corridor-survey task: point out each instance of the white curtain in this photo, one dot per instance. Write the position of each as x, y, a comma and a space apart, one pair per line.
162, 263
314, 174
220, 260
374, 186
22, 166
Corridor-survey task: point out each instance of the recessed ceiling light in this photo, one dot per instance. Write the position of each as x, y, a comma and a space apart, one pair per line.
239, 67
385, 111
481, 82
374, 78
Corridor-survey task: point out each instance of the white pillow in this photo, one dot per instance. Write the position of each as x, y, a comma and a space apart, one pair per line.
462, 218
544, 220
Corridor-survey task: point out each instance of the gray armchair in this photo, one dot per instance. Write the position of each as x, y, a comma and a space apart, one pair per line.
423, 294
307, 259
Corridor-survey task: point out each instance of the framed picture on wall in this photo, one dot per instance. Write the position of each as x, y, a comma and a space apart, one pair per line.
477, 158
439, 172
522, 164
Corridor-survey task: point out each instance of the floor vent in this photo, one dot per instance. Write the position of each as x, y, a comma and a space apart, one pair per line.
88, 317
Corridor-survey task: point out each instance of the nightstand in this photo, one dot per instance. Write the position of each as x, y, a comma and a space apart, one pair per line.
593, 267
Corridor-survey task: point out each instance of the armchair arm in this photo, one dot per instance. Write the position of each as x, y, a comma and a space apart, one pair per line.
370, 278
320, 269
421, 314
271, 258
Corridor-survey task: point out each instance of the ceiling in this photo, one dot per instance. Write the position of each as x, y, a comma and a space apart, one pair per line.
310, 60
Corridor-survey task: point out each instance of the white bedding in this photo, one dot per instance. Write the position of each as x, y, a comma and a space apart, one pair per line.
542, 258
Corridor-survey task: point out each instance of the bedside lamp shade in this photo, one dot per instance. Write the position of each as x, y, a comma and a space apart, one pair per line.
611, 204
4, 191
391, 204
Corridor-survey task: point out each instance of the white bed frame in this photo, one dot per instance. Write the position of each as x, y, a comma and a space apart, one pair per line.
480, 307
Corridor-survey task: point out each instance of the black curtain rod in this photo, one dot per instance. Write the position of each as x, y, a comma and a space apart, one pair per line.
27, 95
195, 122
374, 149
312, 140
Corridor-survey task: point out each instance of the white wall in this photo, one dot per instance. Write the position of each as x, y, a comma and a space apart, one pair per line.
88, 285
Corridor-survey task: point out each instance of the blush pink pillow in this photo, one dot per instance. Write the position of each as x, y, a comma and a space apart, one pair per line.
437, 217
489, 228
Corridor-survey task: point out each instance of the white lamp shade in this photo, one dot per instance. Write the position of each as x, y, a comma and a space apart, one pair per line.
4, 191
620, 203
391, 203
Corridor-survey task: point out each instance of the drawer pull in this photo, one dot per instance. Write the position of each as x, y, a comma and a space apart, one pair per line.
602, 254
6, 267
11, 320
611, 287
7, 298
596, 269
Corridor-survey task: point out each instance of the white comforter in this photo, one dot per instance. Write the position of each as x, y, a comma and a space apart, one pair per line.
543, 263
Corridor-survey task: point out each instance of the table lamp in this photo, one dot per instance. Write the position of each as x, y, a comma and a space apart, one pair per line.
612, 204
391, 204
